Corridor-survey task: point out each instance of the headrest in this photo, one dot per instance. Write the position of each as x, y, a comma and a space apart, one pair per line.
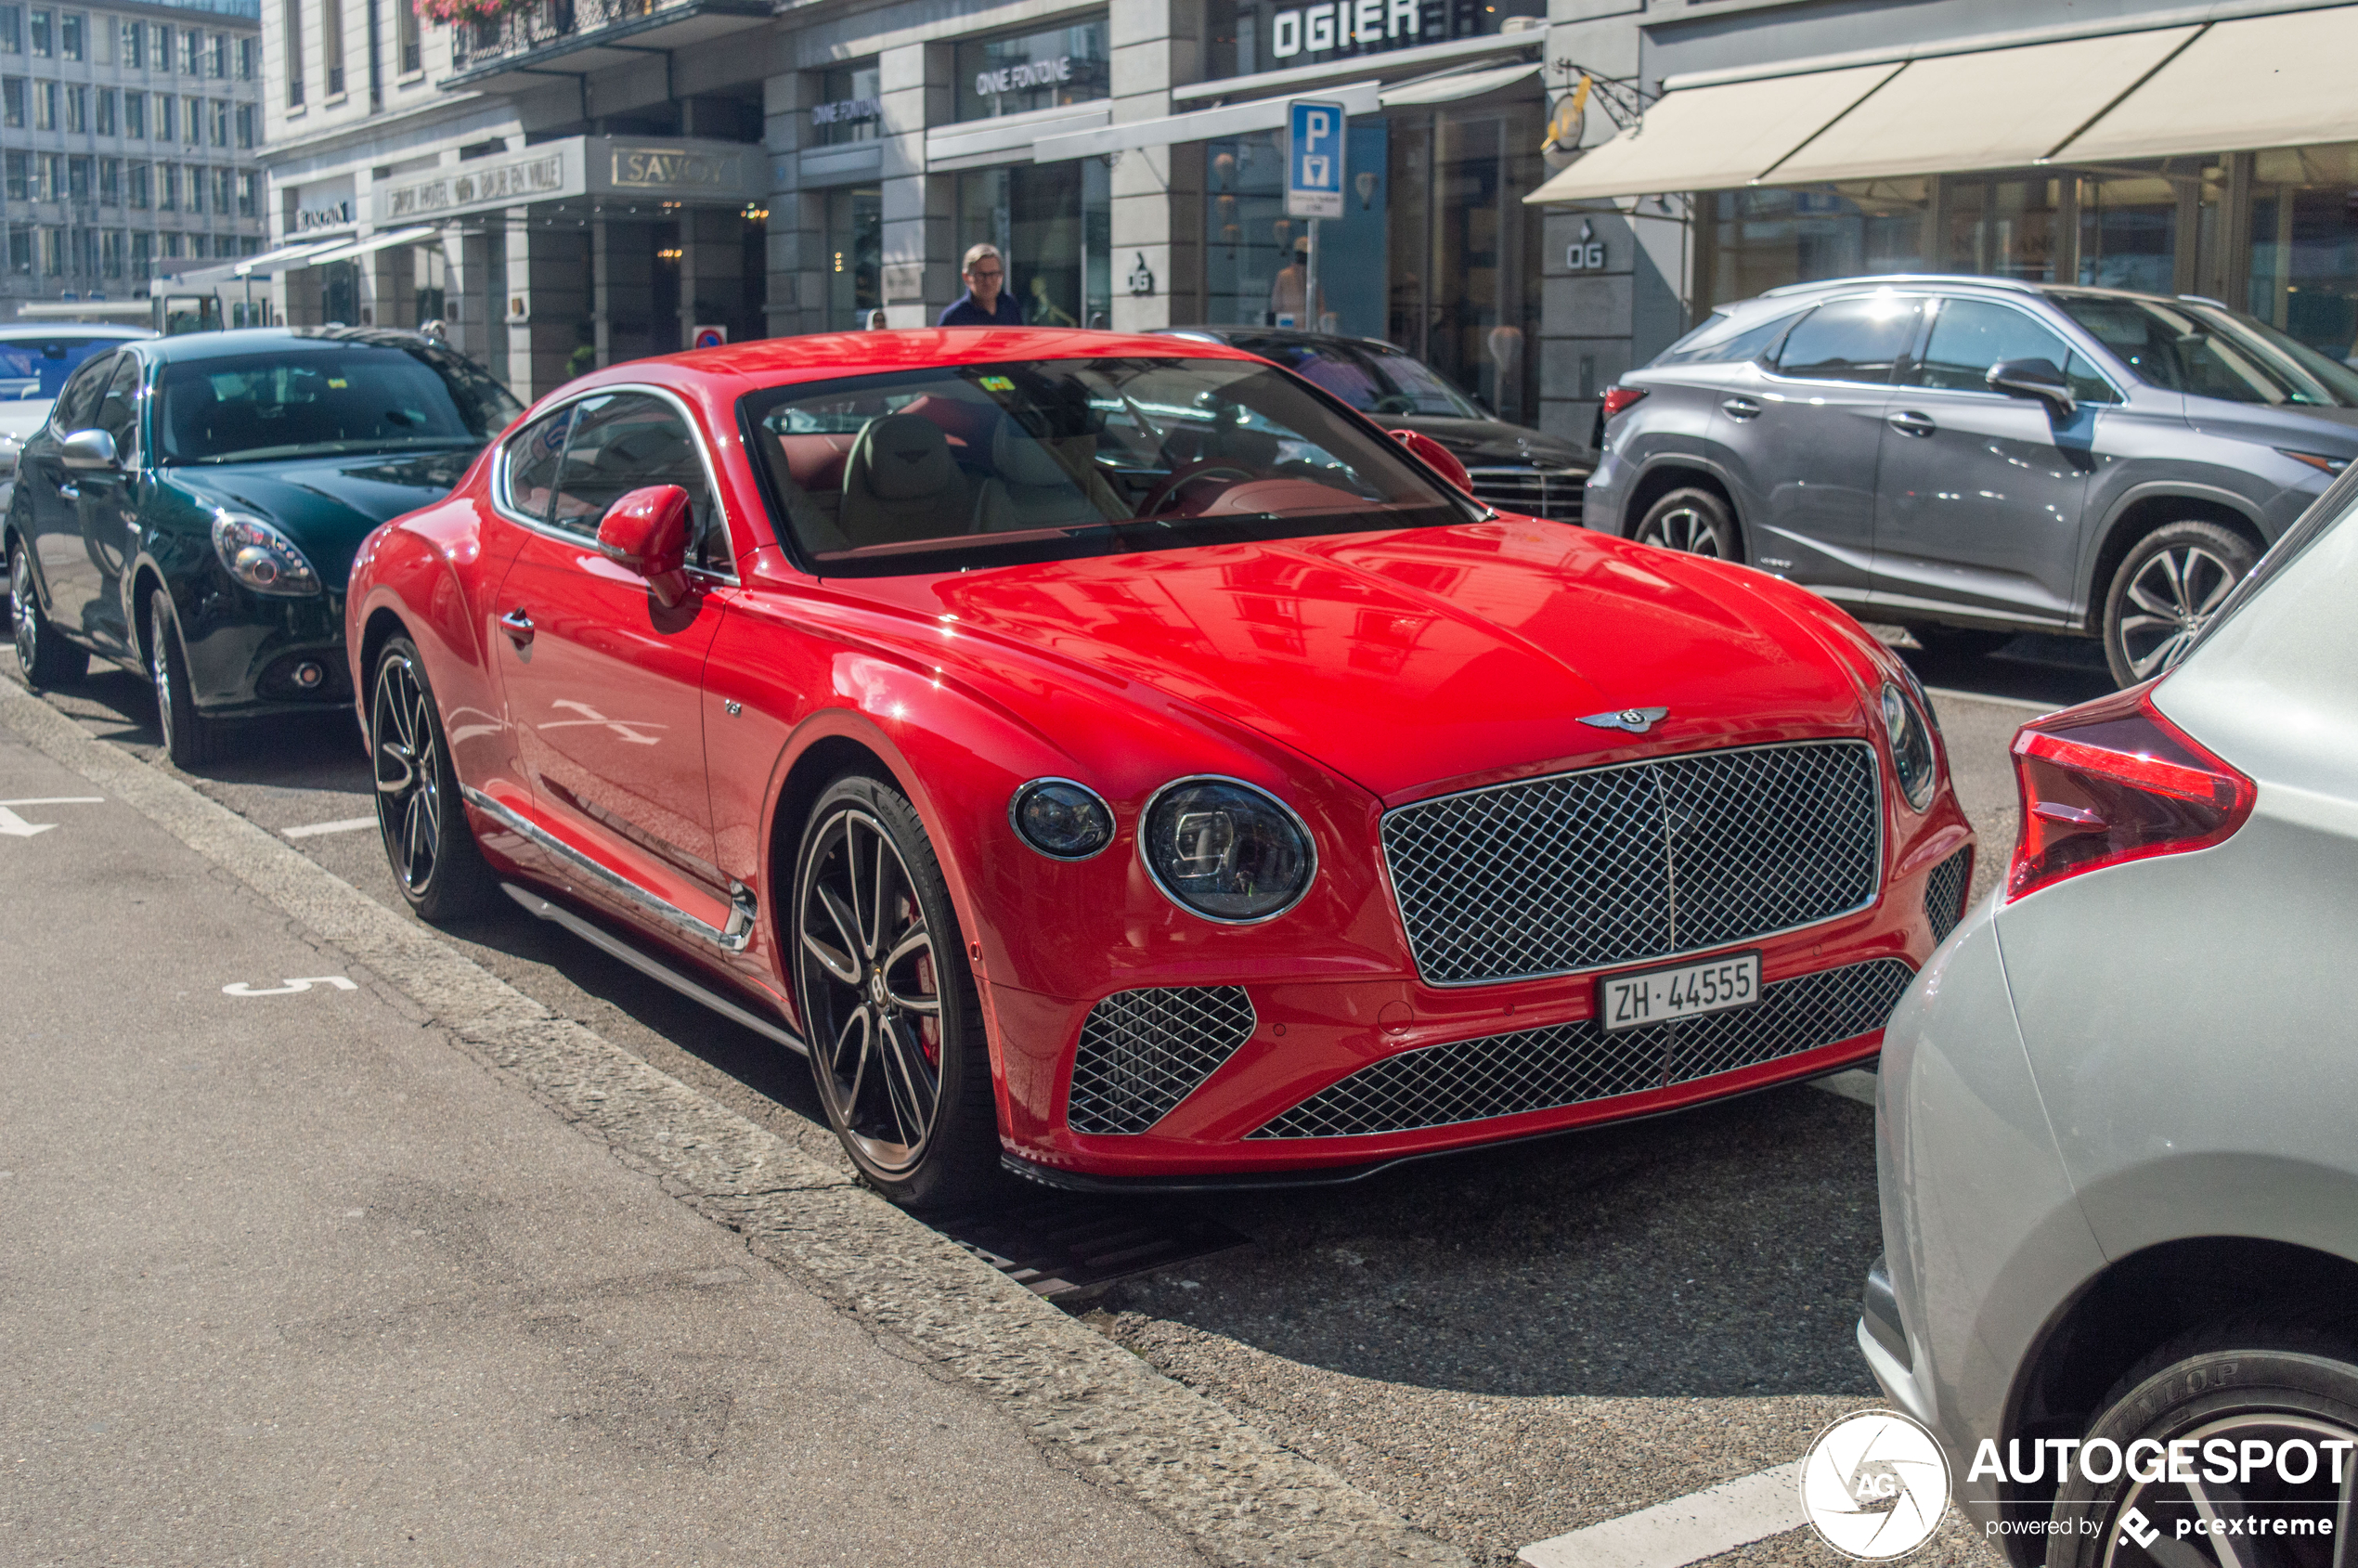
904, 457
1022, 460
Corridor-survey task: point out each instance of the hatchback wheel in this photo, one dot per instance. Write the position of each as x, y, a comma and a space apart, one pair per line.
2165, 592
888, 1001
2240, 1383
191, 739
427, 840
1693, 521
44, 657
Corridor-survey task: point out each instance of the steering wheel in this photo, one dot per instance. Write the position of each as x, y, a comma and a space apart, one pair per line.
1162, 496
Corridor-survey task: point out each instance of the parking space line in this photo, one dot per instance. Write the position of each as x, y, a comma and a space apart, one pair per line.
1857, 1083
1684, 1530
349, 824
2023, 703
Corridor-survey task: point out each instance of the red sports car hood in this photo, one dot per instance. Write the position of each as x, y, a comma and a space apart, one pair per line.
1414, 661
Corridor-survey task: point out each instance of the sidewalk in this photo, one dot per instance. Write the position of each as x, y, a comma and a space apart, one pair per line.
291, 1279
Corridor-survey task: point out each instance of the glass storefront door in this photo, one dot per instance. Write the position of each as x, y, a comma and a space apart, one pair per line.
1053, 225
2305, 245
855, 256
1255, 253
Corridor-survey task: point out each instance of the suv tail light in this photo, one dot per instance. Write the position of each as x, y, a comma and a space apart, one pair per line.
2112, 781
1620, 397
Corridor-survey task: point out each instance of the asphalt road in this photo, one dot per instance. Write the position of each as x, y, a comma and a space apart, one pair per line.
1501, 1346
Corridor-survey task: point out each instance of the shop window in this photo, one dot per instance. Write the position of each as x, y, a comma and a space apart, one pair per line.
1256, 259
1052, 223
850, 108
1247, 36
1012, 74
855, 255
1754, 241
2304, 246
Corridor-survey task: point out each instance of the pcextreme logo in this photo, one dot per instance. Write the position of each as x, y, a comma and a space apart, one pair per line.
1874, 1486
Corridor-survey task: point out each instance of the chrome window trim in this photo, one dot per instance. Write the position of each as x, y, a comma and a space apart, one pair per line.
1145, 814
1874, 893
550, 530
742, 908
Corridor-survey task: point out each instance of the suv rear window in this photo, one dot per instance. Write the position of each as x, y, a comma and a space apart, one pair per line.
1721, 341
1855, 340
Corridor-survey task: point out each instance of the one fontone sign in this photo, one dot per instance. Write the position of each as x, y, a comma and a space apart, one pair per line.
1023, 78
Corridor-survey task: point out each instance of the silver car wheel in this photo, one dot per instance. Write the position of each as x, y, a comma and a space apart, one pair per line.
2168, 1505
1683, 529
159, 672
2172, 598
22, 607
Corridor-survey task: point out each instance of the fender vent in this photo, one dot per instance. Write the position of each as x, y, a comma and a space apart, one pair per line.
1142, 1052
1944, 892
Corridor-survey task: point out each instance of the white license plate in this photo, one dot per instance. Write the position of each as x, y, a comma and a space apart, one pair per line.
1661, 996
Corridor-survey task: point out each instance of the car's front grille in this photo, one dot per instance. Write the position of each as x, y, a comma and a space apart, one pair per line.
1945, 893
1142, 1052
1569, 1064
1644, 860
1551, 493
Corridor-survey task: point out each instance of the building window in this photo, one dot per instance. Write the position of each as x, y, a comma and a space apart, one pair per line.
167, 117
111, 182
44, 106
20, 249
248, 201
41, 41
78, 179
53, 252
143, 252
294, 53
174, 246
1033, 71
16, 175
168, 188
110, 253
131, 46
109, 118
245, 59
12, 96
78, 109
331, 43
163, 46
413, 49
193, 58
223, 198
71, 27
11, 29
141, 182
196, 183
246, 125
134, 115
850, 109
218, 59
219, 116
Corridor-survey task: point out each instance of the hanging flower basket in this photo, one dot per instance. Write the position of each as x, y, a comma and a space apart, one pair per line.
454, 12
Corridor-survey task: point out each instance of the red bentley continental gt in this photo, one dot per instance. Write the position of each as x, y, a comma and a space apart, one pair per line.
1113, 759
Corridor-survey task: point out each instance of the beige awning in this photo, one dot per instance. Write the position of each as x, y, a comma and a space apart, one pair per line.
2277, 80
368, 247
1709, 139
1458, 85
1993, 109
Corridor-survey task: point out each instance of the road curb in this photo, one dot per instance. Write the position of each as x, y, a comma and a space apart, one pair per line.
1239, 1496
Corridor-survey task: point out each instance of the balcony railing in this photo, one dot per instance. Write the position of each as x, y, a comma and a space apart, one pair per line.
543, 27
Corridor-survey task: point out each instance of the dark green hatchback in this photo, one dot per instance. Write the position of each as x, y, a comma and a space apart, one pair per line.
191, 510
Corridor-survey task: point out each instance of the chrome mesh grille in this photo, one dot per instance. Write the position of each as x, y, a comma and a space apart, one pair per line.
1142, 1052
1648, 860
1945, 893
1552, 493
1569, 1064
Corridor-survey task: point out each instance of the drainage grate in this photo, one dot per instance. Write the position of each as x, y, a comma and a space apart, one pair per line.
1944, 892
1059, 1245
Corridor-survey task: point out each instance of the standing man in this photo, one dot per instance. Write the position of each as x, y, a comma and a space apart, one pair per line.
986, 302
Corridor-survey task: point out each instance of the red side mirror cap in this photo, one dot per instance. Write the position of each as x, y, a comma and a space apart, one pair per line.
646, 531
1436, 457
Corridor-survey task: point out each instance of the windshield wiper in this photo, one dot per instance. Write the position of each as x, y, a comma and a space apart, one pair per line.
333, 448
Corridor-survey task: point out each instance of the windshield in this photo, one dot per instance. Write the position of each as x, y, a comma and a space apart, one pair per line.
2209, 352
306, 401
38, 367
1372, 380
939, 470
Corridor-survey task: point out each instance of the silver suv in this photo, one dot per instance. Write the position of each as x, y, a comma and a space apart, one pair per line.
1974, 458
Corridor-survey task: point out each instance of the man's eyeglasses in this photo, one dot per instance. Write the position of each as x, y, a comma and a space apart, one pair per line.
982, 276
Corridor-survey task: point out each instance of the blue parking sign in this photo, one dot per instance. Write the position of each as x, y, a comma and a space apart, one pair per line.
1314, 159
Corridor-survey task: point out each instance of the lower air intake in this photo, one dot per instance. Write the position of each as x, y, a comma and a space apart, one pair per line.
1568, 1064
1945, 893
1142, 1052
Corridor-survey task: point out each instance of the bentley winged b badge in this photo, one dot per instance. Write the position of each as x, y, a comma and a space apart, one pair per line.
1636, 720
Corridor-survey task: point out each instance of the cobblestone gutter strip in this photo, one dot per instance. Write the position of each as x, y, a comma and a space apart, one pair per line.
1239, 1496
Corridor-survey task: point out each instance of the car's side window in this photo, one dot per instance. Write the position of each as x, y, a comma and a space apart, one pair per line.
1858, 340
531, 466
1969, 336
78, 400
118, 412
624, 442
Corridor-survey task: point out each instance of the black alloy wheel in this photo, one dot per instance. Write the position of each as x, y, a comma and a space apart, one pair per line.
1692, 521
887, 1001
2246, 1382
2165, 592
191, 739
43, 657
427, 840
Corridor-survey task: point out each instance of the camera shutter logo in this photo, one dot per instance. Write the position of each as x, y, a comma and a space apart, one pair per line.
1874, 1486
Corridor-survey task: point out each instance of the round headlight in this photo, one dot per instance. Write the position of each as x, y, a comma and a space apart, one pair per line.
1225, 850
1911, 747
1062, 820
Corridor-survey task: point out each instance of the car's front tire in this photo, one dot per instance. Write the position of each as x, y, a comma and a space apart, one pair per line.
43, 657
428, 843
191, 739
888, 1001
2165, 592
2239, 1381
1693, 521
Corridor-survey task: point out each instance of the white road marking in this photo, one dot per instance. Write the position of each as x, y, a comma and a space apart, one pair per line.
14, 826
289, 988
313, 830
1858, 1083
2024, 703
1683, 1530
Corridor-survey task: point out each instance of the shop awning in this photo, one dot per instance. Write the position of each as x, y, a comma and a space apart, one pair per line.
1990, 110
1709, 139
369, 246
276, 261
2278, 81
1232, 120
1458, 86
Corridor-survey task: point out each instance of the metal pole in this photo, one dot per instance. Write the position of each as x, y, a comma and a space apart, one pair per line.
1310, 283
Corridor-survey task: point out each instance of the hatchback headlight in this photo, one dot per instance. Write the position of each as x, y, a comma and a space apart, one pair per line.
1912, 754
260, 557
1225, 850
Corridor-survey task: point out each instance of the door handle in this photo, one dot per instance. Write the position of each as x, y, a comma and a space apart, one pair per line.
1908, 423
518, 626
67, 490
1740, 408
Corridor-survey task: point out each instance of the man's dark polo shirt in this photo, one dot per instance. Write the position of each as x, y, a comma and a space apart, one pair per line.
964, 312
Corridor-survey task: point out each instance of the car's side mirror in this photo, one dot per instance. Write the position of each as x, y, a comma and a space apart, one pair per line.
646, 531
88, 449
2034, 378
1435, 456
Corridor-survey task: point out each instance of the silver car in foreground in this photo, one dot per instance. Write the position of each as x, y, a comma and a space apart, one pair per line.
2117, 1125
